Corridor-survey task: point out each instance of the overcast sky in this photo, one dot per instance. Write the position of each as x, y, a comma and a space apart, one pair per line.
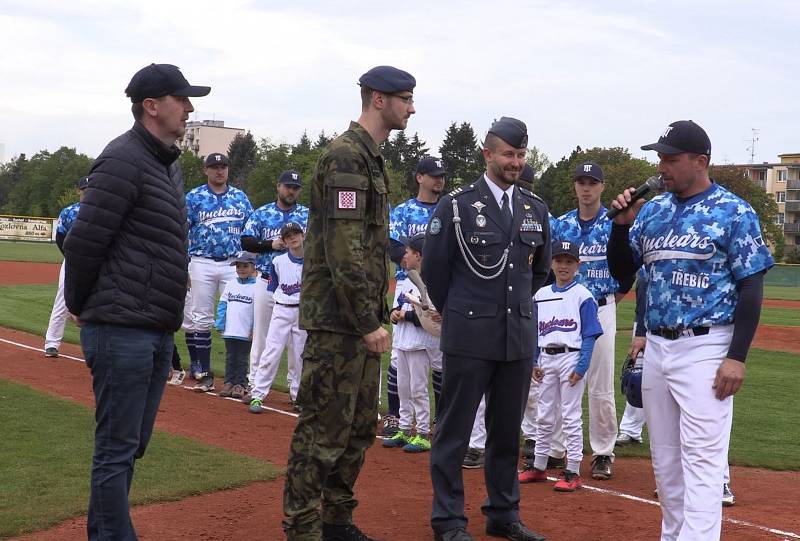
611, 73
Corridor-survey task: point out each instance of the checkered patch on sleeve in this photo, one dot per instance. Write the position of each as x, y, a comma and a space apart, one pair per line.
347, 199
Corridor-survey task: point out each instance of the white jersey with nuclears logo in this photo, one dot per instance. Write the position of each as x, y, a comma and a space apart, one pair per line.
235, 309
286, 277
559, 315
694, 252
265, 224
592, 239
216, 221
408, 219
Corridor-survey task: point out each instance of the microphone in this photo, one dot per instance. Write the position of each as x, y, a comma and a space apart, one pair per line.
651, 184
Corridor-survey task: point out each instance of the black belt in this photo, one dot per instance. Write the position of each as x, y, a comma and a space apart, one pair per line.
217, 259
674, 334
290, 305
556, 351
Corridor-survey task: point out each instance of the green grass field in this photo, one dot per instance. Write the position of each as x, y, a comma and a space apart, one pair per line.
47, 452
36, 252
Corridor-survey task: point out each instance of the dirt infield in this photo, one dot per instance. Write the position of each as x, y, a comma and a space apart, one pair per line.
17, 273
394, 487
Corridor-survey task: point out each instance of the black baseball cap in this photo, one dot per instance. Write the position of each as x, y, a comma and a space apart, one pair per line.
288, 227
682, 136
216, 158
83, 183
512, 131
244, 257
290, 177
157, 80
565, 247
416, 242
388, 79
432, 166
589, 169
527, 175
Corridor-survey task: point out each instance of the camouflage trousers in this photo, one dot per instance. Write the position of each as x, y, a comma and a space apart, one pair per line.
339, 396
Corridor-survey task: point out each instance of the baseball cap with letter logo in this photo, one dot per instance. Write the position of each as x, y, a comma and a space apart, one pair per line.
216, 158
589, 169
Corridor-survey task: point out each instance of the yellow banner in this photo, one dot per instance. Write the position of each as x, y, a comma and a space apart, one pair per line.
26, 228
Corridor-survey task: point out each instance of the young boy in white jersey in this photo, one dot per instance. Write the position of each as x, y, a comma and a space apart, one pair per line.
285, 279
416, 349
567, 330
235, 322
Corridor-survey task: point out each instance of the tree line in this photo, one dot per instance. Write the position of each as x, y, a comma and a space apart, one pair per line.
46, 182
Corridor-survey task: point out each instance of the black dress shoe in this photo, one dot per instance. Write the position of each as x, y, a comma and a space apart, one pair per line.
456, 534
515, 531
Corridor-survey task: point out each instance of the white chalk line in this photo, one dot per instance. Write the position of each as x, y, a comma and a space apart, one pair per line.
774, 531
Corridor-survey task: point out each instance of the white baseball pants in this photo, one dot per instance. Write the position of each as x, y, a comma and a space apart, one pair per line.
263, 303
600, 382
58, 316
530, 422
283, 330
689, 431
477, 439
555, 393
208, 280
412, 387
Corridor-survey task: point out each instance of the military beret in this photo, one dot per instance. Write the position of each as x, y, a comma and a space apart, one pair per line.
512, 131
388, 79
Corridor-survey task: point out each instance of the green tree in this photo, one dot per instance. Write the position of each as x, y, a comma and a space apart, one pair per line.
192, 167
303, 146
461, 155
736, 180
621, 170
10, 176
243, 155
323, 140
262, 181
538, 161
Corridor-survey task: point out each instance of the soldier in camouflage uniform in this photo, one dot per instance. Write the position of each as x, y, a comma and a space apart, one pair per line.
343, 308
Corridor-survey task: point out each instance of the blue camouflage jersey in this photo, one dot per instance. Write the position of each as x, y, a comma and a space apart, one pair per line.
265, 224
694, 251
406, 220
592, 240
216, 221
66, 218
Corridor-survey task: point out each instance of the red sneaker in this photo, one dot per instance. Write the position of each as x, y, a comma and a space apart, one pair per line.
568, 482
532, 475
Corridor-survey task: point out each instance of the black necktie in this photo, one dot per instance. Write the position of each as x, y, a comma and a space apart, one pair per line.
505, 212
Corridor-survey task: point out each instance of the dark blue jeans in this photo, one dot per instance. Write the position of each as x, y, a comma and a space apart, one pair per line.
237, 360
129, 370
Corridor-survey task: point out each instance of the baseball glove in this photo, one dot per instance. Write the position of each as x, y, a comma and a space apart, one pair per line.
631, 382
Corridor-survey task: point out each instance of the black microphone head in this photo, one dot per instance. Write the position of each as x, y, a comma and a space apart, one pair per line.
655, 183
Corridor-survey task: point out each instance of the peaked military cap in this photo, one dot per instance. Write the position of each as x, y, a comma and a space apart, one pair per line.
512, 131
388, 79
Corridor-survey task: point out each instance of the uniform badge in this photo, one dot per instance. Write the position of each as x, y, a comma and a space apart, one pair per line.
436, 226
474, 240
347, 199
478, 206
526, 206
480, 220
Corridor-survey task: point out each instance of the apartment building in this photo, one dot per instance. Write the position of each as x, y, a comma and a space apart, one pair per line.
782, 180
206, 136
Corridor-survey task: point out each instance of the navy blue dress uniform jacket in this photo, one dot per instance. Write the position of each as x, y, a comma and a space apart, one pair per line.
473, 309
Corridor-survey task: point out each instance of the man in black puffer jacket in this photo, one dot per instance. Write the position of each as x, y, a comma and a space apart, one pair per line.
126, 282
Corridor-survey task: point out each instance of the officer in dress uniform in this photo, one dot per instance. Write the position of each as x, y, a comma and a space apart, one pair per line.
487, 251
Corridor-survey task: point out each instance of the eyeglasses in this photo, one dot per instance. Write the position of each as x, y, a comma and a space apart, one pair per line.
408, 100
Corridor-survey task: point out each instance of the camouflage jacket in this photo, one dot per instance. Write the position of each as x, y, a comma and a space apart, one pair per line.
345, 270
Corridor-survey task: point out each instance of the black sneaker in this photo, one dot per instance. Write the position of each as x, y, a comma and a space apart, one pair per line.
391, 425
601, 467
473, 459
205, 385
51, 352
343, 532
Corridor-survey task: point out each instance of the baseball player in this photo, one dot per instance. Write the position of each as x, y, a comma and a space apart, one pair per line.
285, 281
567, 331
406, 220
216, 213
59, 314
588, 227
261, 235
235, 322
705, 258
416, 351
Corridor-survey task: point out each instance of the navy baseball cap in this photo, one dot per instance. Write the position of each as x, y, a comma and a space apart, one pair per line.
289, 227
512, 131
527, 175
565, 247
157, 80
216, 158
589, 169
682, 136
244, 257
416, 242
388, 79
83, 183
431, 166
290, 177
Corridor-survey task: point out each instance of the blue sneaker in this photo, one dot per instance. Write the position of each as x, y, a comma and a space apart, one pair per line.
400, 439
417, 444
